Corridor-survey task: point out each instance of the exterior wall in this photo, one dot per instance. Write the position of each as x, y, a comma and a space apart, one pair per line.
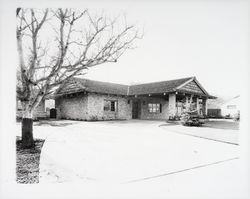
91, 107
39, 111
74, 107
214, 113
96, 105
146, 115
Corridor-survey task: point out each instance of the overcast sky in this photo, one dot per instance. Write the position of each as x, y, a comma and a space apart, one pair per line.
206, 39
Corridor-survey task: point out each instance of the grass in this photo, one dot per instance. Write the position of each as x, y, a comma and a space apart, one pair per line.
27, 162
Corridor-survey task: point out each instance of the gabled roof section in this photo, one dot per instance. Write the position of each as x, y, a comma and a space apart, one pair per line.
157, 87
71, 86
76, 85
192, 85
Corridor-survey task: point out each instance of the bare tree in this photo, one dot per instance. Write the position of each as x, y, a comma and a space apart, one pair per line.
57, 44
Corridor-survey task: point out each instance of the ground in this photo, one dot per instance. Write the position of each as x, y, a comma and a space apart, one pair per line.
165, 157
27, 162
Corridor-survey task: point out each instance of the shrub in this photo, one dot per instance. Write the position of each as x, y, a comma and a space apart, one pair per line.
93, 118
192, 118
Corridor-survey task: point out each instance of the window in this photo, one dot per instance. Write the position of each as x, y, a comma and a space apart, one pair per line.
154, 108
110, 105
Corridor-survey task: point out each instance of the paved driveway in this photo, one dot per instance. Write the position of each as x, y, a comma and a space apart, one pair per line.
226, 131
126, 152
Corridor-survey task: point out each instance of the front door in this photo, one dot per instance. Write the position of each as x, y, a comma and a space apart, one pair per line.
135, 110
53, 113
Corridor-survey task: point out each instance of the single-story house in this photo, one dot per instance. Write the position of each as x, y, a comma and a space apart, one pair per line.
223, 107
231, 107
84, 99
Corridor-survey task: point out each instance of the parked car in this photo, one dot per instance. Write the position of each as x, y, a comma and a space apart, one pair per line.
192, 118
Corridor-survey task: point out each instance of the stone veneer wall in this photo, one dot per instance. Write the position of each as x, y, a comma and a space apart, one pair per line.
96, 107
91, 107
145, 114
74, 107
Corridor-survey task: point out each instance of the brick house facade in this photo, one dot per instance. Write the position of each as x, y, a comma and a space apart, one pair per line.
83, 99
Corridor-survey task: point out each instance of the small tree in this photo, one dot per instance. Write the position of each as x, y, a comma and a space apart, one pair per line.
57, 44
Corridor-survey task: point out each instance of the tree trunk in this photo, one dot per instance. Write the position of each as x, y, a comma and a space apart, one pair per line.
27, 130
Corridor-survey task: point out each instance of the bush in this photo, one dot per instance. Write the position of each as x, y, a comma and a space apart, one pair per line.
192, 118
174, 118
93, 118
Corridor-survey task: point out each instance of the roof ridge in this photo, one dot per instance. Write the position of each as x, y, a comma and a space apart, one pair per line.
163, 81
100, 81
79, 84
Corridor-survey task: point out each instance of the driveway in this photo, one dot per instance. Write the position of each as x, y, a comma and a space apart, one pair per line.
126, 152
220, 130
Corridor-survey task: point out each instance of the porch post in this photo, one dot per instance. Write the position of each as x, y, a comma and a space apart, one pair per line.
172, 105
198, 105
186, 104
204, 106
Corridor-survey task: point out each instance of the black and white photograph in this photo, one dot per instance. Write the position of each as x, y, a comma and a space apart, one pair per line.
124, 99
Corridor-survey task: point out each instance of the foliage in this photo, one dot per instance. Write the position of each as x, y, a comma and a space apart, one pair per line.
57, 44
93, 118
192, 118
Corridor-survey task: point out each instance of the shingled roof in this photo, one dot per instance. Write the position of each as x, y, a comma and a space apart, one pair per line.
76, 85
157, 87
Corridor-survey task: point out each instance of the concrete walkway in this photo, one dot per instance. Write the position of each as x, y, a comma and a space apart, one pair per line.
125, 152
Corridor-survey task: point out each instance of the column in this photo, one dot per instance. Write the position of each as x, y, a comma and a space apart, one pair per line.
204, 106
172, 105
186, 104
198, 105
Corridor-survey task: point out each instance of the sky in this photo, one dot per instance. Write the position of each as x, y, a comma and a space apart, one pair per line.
206, 39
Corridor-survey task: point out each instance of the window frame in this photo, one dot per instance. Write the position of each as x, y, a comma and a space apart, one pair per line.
154, 108
110, 106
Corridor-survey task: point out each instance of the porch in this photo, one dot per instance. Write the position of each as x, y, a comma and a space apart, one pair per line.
165, 106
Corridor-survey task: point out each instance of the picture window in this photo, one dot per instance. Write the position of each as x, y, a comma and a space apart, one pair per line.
154, 108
